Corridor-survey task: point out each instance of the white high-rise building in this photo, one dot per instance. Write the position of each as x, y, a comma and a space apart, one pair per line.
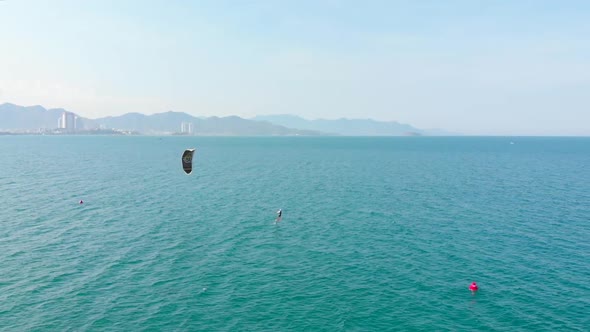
186, 128
68, 121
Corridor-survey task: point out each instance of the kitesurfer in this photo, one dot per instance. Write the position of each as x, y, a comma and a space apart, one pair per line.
279, 215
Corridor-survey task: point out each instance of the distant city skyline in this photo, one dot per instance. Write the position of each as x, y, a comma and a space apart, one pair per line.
492, 67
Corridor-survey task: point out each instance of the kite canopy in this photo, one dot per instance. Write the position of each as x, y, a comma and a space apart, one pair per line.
187, 160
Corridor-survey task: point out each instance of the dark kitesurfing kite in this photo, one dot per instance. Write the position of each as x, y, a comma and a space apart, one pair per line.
187, 160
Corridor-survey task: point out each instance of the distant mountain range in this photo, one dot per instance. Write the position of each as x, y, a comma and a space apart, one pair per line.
351, 127
31, 118
170, 122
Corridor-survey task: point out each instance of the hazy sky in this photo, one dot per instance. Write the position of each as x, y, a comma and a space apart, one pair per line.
487, 67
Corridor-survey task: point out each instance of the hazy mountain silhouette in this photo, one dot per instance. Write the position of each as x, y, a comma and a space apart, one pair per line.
30, 117
348, 127
170, 122
14, 117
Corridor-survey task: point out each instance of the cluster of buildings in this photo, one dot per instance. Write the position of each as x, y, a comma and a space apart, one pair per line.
187, 128
69, 122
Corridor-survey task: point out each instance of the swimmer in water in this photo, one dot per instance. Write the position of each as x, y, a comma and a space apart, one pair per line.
81, 202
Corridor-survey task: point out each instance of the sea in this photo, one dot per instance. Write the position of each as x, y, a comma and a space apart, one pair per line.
377, 234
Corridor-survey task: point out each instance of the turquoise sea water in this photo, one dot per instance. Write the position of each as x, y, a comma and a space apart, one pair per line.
378, 234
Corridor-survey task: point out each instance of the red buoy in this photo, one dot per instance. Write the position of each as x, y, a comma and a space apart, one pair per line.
473, 287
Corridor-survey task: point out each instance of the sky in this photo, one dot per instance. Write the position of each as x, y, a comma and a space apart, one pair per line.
497, 67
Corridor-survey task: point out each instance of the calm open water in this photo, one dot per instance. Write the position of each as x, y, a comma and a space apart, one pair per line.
378, 234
